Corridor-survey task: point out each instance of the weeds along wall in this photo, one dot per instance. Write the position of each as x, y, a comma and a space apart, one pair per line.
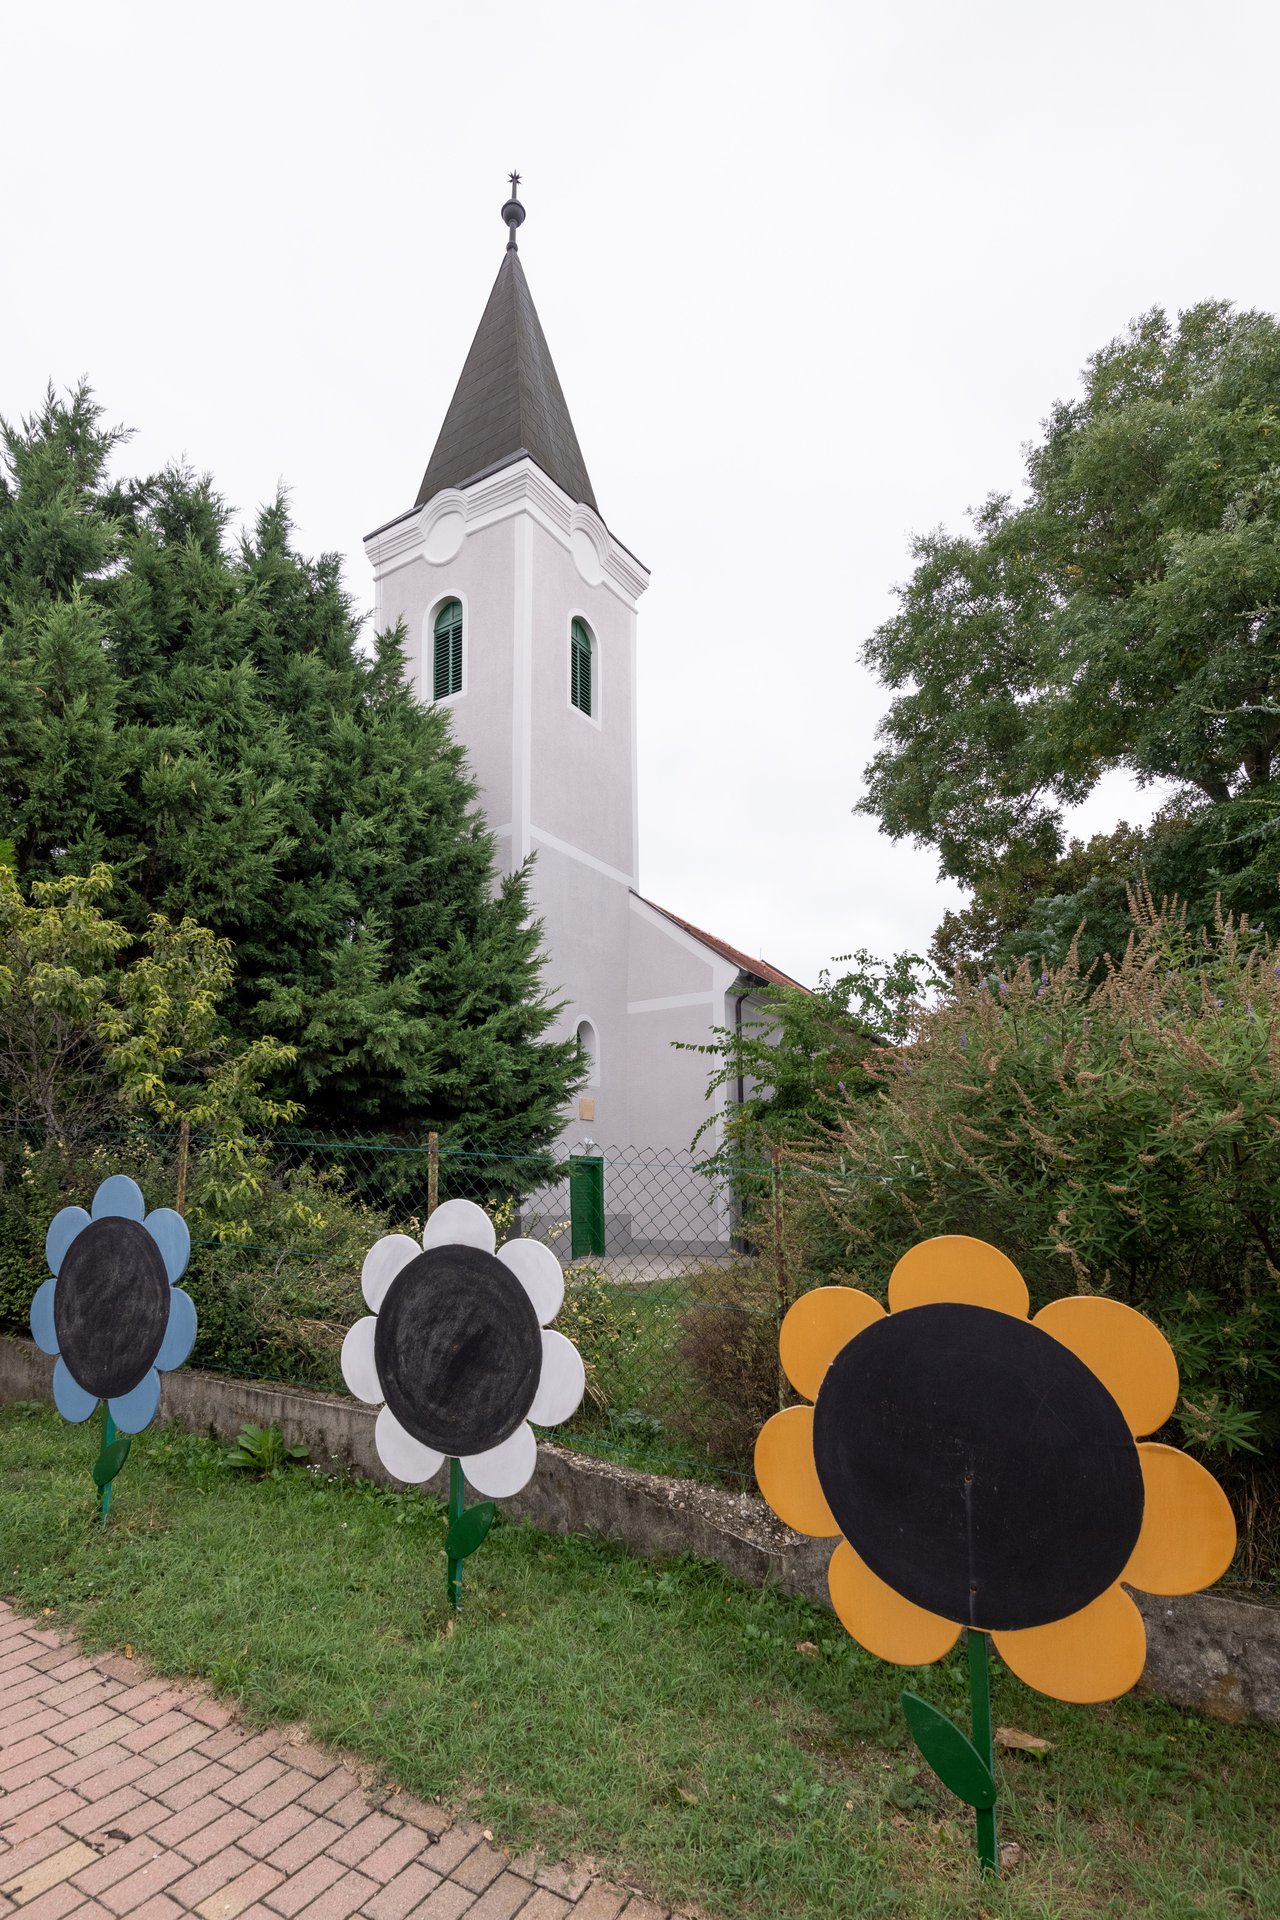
674, 1286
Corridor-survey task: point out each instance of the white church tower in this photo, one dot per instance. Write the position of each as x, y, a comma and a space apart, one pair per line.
520, 609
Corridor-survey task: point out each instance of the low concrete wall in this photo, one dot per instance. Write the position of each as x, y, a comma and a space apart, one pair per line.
1216, 1655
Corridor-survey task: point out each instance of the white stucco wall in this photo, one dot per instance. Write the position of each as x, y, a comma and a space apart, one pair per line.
525, 561
584, 917
481, 574
677, 993
665, 962
582, 790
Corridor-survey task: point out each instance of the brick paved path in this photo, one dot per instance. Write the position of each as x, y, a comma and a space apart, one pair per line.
123, 1796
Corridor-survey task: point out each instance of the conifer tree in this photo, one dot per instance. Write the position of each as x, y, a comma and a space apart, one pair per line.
197, 712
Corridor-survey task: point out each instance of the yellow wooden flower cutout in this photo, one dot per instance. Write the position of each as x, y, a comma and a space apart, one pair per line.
981, 1469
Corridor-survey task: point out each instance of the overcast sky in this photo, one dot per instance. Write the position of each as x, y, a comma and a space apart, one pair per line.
811, 274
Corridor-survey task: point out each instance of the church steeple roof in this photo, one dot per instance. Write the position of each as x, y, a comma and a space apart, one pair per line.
508, 403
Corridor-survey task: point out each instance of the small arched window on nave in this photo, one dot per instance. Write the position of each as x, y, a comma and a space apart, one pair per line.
589, 1050
446, 665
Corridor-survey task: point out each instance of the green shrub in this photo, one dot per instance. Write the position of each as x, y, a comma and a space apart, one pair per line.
600, 1318
275, 1303
37, 1177
1118, 1135
728, 1348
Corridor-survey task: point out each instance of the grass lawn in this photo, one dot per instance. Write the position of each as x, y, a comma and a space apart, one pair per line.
663, 1721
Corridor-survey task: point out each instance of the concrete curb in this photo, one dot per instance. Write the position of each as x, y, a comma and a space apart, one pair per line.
1215, 1655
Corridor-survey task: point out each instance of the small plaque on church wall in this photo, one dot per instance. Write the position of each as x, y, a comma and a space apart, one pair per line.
586, 1109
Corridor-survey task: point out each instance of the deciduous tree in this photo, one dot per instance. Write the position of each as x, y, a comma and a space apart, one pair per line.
1124, 614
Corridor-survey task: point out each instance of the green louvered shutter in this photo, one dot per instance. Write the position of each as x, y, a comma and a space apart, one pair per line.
580, 667
447, 665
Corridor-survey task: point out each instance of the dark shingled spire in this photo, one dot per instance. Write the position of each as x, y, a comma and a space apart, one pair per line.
508, 404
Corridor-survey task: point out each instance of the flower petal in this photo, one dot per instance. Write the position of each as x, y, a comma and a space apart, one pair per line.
74, 1402
881, 1619
63, 1228
786, 1474
561, 1384
171, 1234
460, 1223
818, 1327
1128, 1353
359, 1369
403, 1457
121, 1197
136, 1409
503, 1470
180, 1334
381, 1265
1188, 1537
43, 1331
538, 1271
1096, 1654
955, 1267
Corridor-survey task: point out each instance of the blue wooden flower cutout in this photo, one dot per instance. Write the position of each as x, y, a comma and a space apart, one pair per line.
111, 1312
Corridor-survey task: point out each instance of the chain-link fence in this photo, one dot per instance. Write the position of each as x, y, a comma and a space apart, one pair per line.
675, 1281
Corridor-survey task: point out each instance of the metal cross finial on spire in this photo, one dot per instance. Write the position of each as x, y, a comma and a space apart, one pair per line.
513, 213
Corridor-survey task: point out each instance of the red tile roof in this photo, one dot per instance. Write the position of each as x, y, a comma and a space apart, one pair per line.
758, 969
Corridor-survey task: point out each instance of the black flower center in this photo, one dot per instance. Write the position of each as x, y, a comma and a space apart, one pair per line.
978, 1466
111, 1305
458, 1349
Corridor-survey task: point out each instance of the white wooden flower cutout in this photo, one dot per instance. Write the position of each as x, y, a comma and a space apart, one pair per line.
458, 1352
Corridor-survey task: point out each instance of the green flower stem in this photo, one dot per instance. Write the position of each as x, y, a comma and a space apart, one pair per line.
980, 1701
457, 1501
108, 1438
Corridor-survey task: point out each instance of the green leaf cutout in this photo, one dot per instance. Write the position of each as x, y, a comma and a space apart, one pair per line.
468, 1531
110, 1460
950, 1753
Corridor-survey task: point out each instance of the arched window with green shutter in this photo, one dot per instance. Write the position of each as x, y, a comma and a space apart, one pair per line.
446, 676
580, 667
